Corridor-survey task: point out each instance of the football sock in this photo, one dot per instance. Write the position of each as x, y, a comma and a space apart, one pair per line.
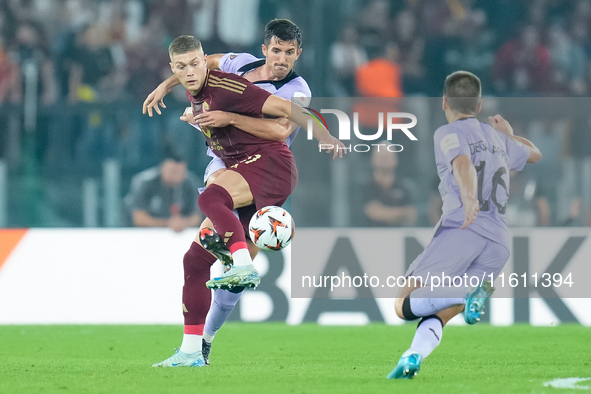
208, 337
217, 204
224, 302
191, 343
425, 302
241, 257
196, 297
427, 337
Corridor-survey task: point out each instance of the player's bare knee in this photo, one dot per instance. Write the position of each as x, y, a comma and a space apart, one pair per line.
401, 298
398, 307
403, 310
197, 240
444, 318
447, 314
235, 184
213, 176
205, 224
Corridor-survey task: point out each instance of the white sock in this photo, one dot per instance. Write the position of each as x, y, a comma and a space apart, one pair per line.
424, 302
208, 337
241, 257
223, 304
427, 338
191, 343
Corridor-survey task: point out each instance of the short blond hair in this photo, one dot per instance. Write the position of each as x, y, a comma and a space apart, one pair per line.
184, 44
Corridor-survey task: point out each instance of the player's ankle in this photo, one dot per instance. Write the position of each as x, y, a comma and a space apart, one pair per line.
241, 257
191, 343
208, 337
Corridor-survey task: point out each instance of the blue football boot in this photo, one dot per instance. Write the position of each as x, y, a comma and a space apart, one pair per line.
408, 367
475, 302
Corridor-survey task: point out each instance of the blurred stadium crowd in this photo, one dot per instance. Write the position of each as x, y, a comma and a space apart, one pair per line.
73, 74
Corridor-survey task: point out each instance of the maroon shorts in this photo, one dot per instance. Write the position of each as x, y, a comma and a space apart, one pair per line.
271, 175
244, 215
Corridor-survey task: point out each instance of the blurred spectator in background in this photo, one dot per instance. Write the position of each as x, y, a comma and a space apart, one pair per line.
523, 65
147, 57
239, 30
549, 134
94, 71
575, 217
32, 53
346, 56
164, 196
536, 14
575, 179
387, 202
472, 50
176, 15
220, 28
528, 204
437, 16
411, 45
568, 59
374, 25
382, 75
9, 77
444, 23
378, 79
532, 188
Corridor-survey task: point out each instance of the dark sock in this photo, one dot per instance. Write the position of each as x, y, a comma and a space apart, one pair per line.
196, 297
216, 203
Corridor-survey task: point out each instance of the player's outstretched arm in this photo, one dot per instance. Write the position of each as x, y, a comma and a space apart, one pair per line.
142, 218
466, 177
213, 61
379, 212
276, 106
156, 98
501, 124
271, 129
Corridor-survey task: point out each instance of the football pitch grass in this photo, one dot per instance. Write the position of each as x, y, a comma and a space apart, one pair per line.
267, 358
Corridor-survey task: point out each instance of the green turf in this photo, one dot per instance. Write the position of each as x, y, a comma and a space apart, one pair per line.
276, 358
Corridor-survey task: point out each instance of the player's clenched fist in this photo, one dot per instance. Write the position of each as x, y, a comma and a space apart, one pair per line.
188, 116
471, 208
500, 124
334, 145
214, 118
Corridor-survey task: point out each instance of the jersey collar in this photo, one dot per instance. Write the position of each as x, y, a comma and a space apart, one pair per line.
198, 98
258, 63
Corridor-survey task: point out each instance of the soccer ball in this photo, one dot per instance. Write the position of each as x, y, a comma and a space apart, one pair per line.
271, 228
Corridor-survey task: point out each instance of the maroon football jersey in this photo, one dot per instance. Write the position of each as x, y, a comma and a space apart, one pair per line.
232, 93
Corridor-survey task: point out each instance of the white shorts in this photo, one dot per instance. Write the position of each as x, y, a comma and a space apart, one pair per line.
455, 252
214, 165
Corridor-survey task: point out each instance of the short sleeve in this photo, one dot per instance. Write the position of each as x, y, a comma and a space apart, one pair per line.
249, 100
404, 196
370, 193
140, 198
232, 62
518, 154
450, 143
298, 92
302, 99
